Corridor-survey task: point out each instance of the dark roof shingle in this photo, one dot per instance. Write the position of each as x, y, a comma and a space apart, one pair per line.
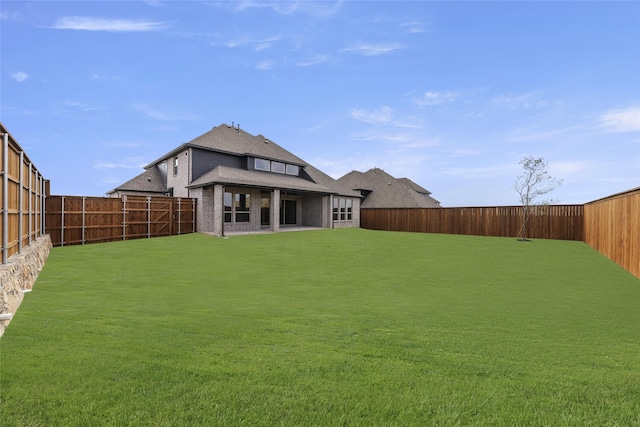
384, 191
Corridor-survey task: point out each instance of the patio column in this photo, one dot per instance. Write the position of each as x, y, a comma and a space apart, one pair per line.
275, 210
218, 210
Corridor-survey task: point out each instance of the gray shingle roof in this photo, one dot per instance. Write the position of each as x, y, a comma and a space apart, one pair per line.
387, 191
150, 181
233, 140
227, 175
228, 139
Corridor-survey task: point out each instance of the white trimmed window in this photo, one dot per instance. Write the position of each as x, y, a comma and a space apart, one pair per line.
262, 164
342, 209
277, 167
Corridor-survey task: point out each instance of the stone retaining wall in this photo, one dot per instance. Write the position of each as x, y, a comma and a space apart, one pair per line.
18, 275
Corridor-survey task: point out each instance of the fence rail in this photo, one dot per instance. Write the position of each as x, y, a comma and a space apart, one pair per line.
562, 222
23, 191
73, 220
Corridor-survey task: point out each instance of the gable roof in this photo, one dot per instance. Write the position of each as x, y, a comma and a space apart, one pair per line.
228, 175
231, 140
149, 181
382, 190
235, 141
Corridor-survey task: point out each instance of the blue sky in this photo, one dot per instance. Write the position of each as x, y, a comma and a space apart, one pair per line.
449, 94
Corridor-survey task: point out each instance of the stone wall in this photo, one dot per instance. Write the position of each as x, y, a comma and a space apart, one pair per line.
18, 275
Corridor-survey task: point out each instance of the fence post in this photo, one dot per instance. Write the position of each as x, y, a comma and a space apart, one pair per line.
124, 217
148, 217
42, 198
5, 197
179, 216
83, 222
20, 201
29, 202
62, 224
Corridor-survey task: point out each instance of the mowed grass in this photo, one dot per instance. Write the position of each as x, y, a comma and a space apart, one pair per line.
329, 327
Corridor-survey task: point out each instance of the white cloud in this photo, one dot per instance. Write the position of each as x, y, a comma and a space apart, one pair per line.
267, 64
415, 27
625, 120
166, 114
473, 173
11, 16
313, 60
374, 49
105, 77
255, 44
564, 169
82, 106
127, 163
111, 25
79, 110
381, 116
436, 98
526, 101
318, 9
20, 76
523, 135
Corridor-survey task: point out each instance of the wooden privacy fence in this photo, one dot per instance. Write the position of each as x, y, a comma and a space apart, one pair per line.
23, 190
562, 222
612, 227
73, 220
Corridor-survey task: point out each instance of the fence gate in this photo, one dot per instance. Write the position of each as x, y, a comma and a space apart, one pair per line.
74, 220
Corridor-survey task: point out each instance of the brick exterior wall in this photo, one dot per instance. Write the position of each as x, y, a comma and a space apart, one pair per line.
313, 210
180, 180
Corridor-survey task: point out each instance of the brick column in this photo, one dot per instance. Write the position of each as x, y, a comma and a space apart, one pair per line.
218, 210
275, 210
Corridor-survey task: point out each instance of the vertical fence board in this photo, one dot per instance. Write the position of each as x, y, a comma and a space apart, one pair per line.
563, 222
78, 220
612, 227
20, 198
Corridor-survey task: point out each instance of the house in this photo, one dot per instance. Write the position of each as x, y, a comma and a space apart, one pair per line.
246, 183
381, 190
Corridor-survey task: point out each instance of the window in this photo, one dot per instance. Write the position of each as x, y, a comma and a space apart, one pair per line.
237, 206
342, 209
242, 206
261, 164
277, 167
228, 199
175, 165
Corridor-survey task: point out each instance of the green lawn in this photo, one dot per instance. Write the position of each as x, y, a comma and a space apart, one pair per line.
328, 327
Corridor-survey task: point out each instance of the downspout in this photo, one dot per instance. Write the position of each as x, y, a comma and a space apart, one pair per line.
189, 171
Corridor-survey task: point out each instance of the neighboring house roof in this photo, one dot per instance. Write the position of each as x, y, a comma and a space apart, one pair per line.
382, 190
149, 181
